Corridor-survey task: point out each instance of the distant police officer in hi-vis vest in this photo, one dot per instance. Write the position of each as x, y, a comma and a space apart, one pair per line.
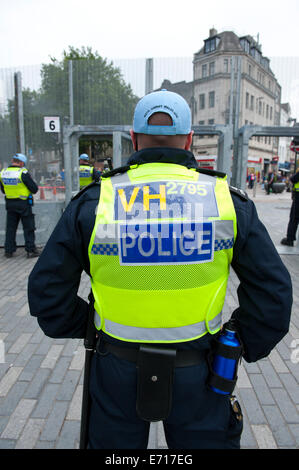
157, 238
294, 212
87, 173
18, 187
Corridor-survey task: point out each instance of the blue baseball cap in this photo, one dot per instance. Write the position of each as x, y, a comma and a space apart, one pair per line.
162, 101
84, 156
20, 157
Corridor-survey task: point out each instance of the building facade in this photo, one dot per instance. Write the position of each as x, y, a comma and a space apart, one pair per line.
233, 83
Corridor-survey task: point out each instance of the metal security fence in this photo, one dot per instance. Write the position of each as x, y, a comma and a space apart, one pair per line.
82, 89
85, 91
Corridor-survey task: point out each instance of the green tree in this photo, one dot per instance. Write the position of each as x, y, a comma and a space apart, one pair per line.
7, 139
100, 94
101, 97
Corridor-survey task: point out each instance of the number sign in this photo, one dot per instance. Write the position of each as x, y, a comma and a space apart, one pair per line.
51, 124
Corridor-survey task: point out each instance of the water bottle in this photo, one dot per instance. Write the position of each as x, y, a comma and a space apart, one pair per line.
223, 366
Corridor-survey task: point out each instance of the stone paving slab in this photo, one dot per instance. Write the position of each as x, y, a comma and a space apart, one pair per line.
41, 378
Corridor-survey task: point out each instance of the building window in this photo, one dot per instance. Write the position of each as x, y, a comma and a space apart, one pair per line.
249, 70
211, 122
251, 102
271, 112
211, 99
204, 71
211, 44
225, 63
245, 45
211, 68
267, 111
202, 101
247, 100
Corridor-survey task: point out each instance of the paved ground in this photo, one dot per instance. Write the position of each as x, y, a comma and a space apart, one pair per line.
41, 378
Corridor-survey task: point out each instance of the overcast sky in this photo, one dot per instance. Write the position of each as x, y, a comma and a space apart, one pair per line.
33, 30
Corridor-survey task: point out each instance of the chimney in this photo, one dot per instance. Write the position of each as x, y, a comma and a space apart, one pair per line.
213, 32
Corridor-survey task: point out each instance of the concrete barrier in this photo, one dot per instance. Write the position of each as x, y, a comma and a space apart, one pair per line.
47, 214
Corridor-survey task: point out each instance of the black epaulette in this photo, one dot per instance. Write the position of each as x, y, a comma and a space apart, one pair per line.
205, 171
83, 190
239, 192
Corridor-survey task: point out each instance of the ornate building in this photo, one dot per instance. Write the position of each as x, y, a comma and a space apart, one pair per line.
233, 83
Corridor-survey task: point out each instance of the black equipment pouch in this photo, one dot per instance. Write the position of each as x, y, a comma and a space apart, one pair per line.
230, 352
155, 371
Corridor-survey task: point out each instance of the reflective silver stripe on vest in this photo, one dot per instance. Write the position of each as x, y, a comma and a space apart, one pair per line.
123, 178
224, 229
180, 333
107, 234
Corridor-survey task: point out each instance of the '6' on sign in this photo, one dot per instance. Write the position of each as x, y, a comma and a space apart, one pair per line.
51, 124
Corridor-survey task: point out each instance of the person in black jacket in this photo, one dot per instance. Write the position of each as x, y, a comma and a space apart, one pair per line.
18, 186
199, 418
294, 213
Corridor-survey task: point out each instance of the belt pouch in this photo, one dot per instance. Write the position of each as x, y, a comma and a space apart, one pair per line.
155, 371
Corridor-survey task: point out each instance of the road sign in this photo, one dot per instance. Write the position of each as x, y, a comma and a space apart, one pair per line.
52, 124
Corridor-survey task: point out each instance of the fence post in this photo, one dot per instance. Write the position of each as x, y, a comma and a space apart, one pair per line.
19, 112
149, 81
71, 96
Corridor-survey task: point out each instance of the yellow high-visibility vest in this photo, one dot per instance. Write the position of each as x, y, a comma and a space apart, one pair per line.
85, 175
14, 187
160, 253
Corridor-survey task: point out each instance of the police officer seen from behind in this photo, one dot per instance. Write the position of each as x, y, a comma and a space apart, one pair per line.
157, 238
294, 213
18, 187
87, 173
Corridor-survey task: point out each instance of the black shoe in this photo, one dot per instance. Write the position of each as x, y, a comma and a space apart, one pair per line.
286, 241
8, 255
33, 254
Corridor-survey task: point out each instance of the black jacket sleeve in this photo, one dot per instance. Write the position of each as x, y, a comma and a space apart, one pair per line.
265, 289
54, 281
28, 181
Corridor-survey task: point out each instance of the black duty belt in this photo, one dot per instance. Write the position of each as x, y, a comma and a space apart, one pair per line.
185, 358
155, 373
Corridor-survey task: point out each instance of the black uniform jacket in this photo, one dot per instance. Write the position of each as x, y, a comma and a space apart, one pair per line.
264, 292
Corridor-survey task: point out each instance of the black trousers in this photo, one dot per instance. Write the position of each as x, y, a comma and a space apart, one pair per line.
17, 210
199, 419
294, 218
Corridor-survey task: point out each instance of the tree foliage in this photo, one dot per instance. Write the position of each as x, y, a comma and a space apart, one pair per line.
100, 97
